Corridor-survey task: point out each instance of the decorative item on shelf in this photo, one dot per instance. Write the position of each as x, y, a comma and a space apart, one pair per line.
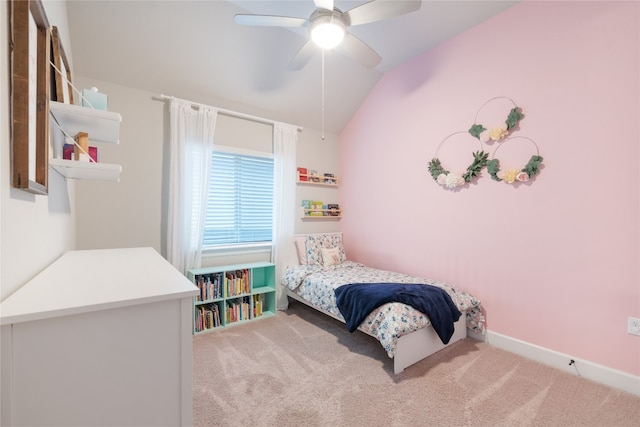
81, 147
313, 175
93, 99
511, 176
333, 209
496, 131
302, 174
450, 179
329, 178
68, 152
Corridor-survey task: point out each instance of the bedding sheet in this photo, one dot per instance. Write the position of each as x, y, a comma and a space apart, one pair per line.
317, 284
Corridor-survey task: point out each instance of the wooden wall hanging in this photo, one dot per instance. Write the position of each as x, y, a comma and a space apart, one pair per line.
30, 87
62, 90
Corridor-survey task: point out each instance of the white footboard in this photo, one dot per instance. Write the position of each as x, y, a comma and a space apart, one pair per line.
413, 347
417, 345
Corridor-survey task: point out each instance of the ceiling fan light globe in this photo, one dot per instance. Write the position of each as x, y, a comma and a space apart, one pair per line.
327, 33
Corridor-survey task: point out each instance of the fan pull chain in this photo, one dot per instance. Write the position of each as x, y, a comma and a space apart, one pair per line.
323, 94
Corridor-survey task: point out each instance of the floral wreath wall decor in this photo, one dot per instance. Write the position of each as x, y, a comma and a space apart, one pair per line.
456, 179
511, 176
500, 132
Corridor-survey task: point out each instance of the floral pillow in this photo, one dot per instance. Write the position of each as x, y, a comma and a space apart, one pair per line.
315, 243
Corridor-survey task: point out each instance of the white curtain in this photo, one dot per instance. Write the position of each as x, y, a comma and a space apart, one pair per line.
285, 138
191, 146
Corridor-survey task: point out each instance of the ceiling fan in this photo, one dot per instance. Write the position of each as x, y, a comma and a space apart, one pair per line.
328, 27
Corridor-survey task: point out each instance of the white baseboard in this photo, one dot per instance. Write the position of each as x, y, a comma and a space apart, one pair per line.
583, 368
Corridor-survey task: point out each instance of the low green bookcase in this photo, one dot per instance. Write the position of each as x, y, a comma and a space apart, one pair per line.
232, 294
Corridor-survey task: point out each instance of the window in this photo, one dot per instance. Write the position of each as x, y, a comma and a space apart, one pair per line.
240, 202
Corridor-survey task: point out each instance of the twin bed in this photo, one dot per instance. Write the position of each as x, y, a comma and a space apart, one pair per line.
406, 334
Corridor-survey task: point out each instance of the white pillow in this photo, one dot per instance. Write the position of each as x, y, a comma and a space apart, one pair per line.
301, 249
331, 256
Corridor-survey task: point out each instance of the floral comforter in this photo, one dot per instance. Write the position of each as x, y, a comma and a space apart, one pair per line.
388, 322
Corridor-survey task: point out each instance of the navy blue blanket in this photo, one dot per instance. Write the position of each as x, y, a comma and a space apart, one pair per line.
357, 300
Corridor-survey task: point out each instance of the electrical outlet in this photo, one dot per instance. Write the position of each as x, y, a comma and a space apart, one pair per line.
633, 326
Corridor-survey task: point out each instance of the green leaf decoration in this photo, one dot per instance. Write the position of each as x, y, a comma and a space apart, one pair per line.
532, 167
493, 166
514, 117
479, 160
435, 168
476, 130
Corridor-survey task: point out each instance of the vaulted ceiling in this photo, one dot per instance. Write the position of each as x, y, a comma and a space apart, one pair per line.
195, 50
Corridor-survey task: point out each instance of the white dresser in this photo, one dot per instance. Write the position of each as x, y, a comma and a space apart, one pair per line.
100, 337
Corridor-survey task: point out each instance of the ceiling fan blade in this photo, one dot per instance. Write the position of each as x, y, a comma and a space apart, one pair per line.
270, 21
303, 56
324, 4
360, 51
379, 10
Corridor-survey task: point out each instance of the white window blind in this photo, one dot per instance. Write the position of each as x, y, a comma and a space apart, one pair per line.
240, 201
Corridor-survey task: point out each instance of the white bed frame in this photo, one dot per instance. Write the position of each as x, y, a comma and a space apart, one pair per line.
413, 347
410, 348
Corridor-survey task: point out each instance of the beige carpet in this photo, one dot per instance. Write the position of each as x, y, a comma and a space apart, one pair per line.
301, 368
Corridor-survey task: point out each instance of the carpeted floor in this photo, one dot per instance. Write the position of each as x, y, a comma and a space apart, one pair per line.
302, 368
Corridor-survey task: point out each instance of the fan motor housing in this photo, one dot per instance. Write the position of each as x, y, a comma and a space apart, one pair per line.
327, 28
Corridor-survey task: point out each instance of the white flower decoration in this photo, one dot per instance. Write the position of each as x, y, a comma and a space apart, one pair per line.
453, 180
484, 136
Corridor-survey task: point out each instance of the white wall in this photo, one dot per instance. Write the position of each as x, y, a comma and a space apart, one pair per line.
126, 213
132, 212
34, 230
321, 155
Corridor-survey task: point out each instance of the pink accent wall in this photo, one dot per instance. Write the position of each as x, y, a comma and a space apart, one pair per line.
555, 261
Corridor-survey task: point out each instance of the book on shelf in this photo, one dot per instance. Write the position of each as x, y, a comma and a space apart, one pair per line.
257, 305
237, 282
333, 209
316, 208
306, 207
329, 178
210, 286
206, 317
238, 310
313, 175
302, 174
